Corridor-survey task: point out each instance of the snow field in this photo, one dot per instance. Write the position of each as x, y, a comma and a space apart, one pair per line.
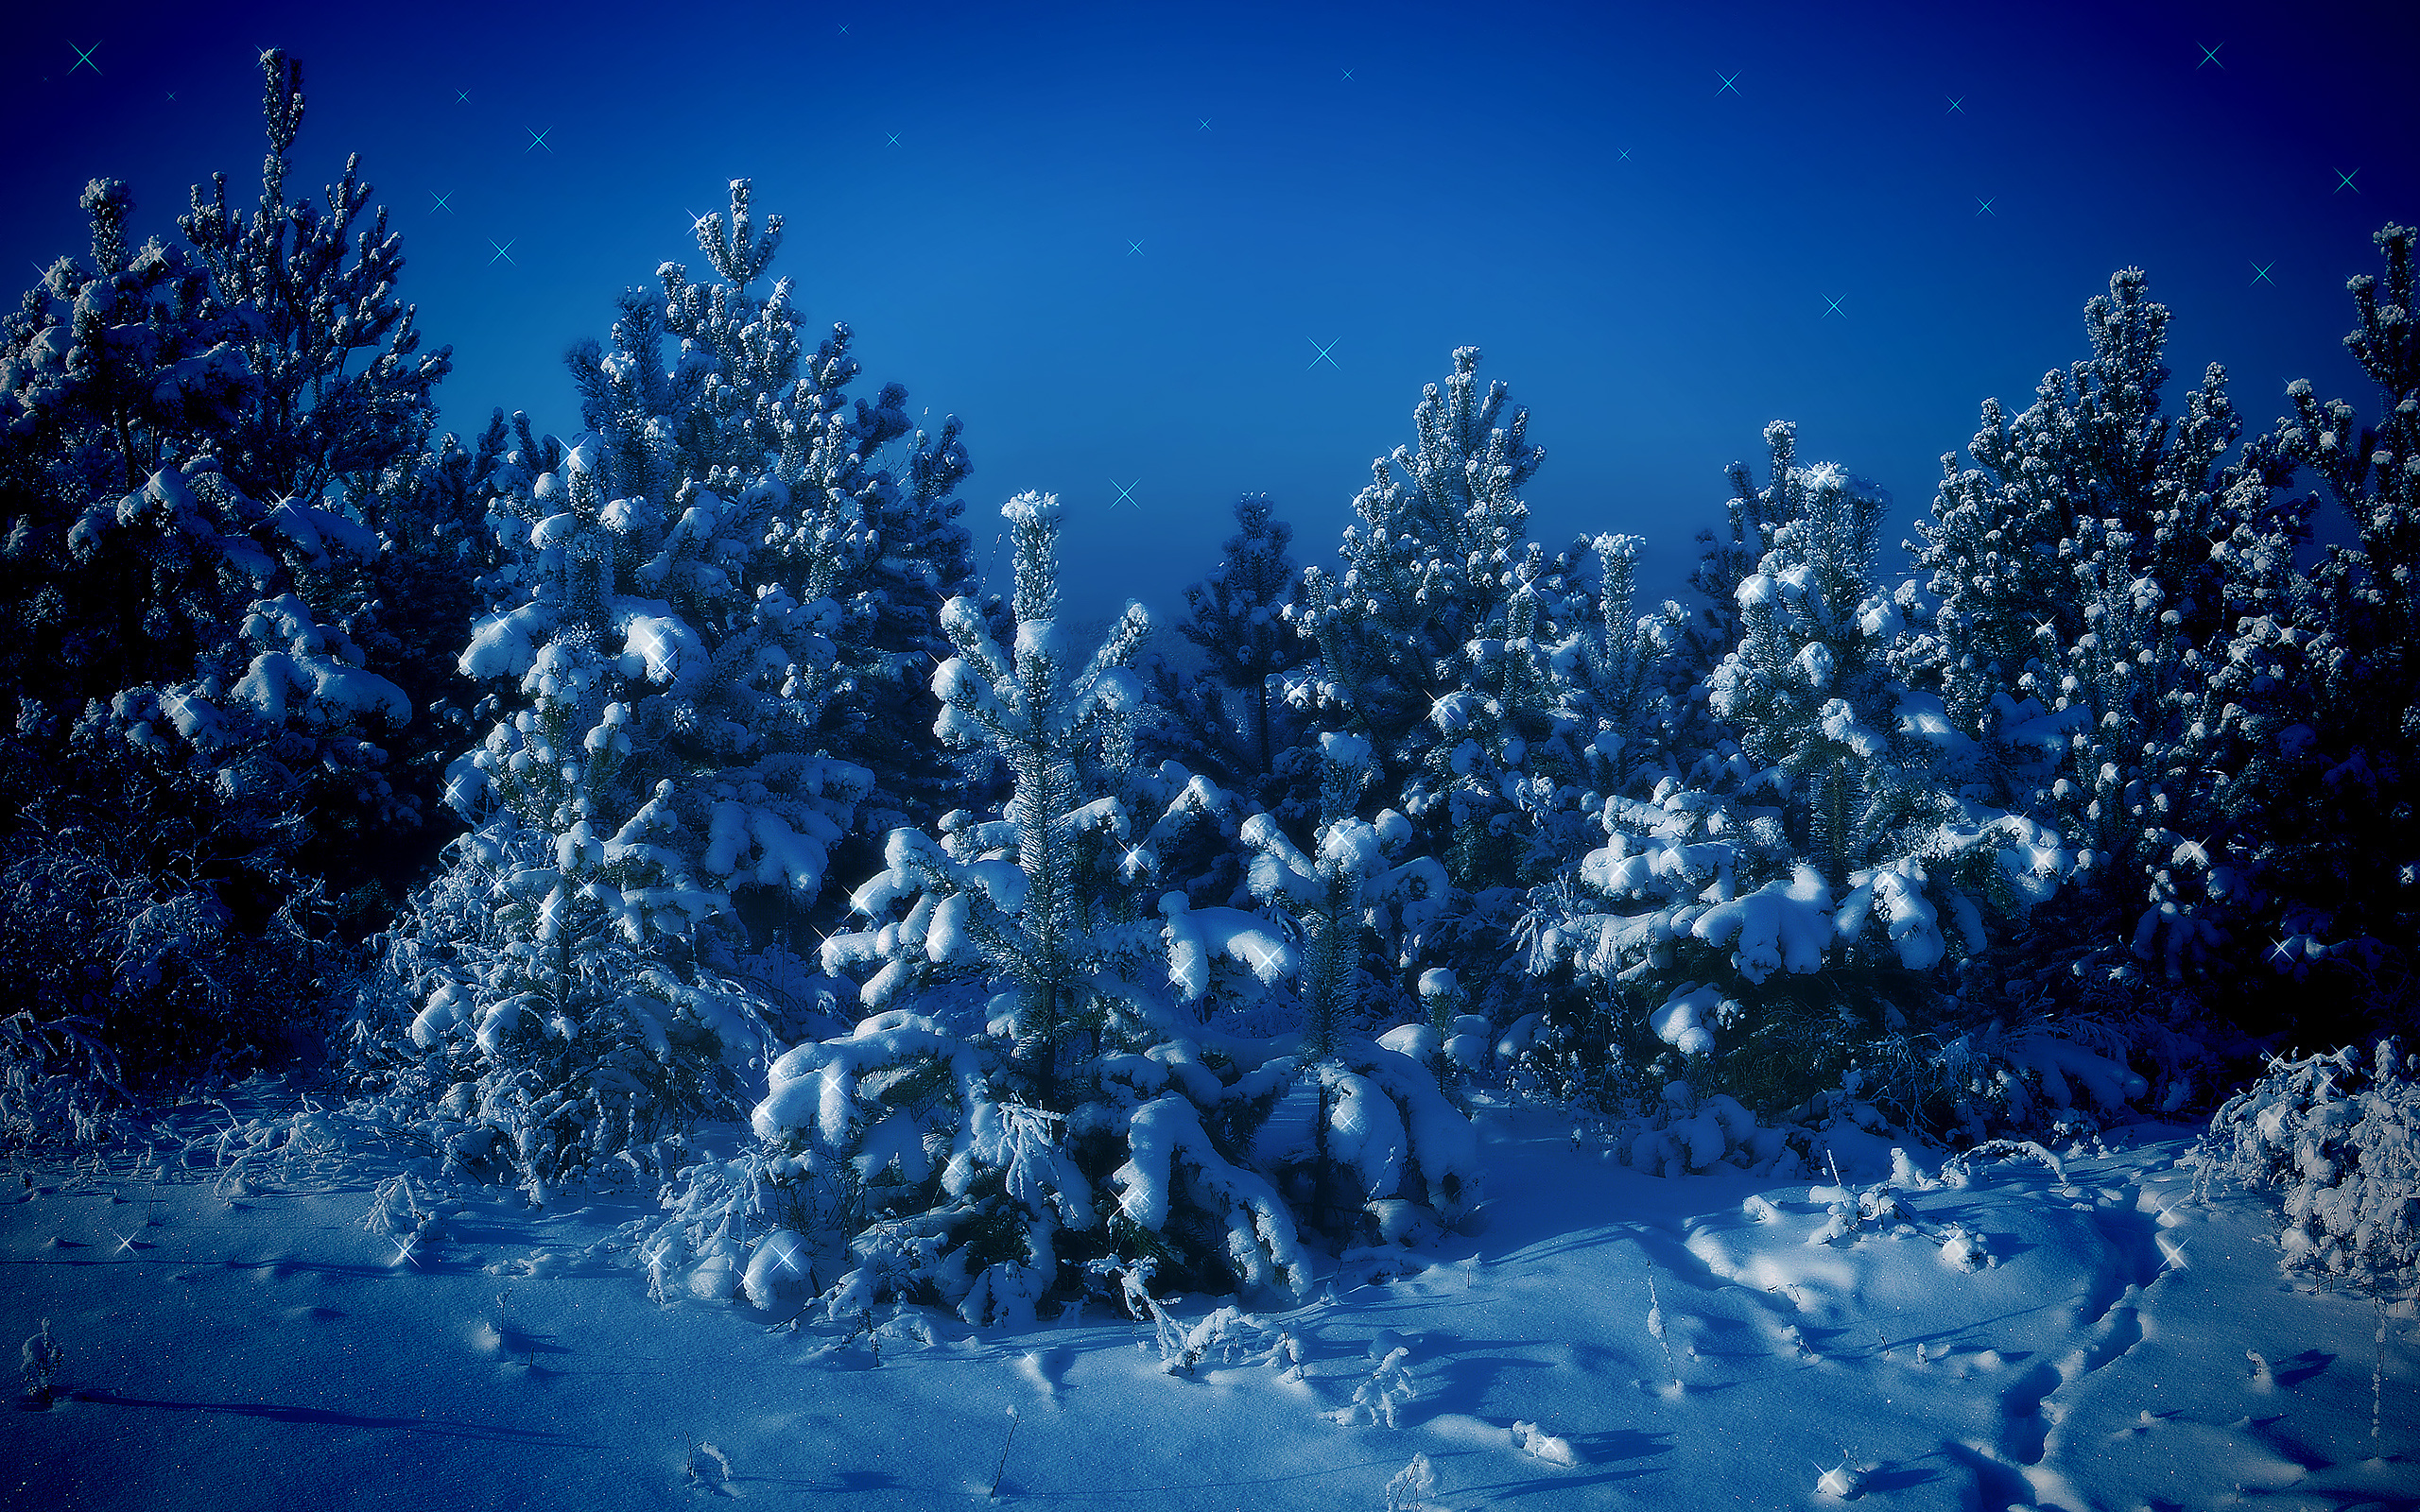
464, 1350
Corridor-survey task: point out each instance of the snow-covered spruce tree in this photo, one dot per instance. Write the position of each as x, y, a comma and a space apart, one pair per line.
743, 397
1047, 1077
1789, 896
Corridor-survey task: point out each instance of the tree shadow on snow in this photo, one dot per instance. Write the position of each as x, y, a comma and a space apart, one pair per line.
275, 1412
1557, 1483
1899, 1477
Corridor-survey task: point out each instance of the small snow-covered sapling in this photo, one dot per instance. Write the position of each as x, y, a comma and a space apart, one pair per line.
1374, 1400
40, 1360
1412, 1487
1844, 1479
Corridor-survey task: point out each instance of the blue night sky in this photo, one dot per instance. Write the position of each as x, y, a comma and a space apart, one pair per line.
1117, 239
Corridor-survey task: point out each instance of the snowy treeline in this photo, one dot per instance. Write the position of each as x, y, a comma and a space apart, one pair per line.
565, 791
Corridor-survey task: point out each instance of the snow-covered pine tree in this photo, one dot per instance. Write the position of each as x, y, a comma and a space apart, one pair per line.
744, 396
1433, 566
2086, 575
1319, 1109
430, 513
1038, 1081
1238, 617
308, 317
1577, 708
1811, 844
695, 666
192, 682
656, 760
2323, 673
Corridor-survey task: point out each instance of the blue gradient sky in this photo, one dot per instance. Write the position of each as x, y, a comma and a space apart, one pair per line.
1466, 184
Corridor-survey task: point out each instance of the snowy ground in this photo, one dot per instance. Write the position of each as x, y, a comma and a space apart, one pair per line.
2104, 1341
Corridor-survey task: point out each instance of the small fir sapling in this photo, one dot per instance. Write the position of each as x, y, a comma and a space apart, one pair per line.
1023, 990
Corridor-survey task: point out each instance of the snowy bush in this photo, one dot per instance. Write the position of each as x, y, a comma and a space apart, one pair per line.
122, 984
2338, 1140
539, 1050
39, 1362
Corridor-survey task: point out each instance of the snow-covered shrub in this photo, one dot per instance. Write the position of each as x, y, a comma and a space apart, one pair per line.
542, 1040
2338, 1140
121, 983
1412, 1487
39, 1362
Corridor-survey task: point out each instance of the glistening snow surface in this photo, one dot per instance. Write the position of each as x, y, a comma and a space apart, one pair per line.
2104, 1340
